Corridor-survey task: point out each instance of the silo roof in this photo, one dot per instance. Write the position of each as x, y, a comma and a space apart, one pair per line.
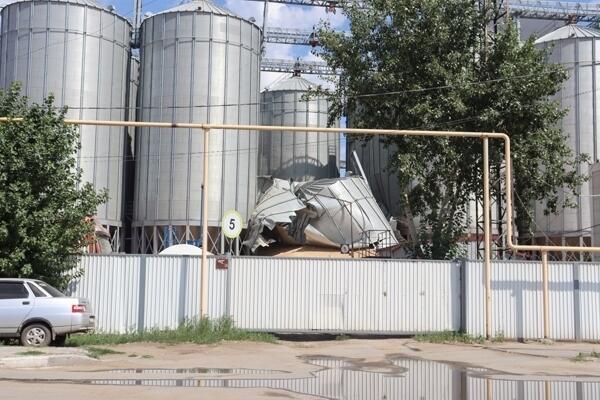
569, 32
200, 5
293, 83
92, 3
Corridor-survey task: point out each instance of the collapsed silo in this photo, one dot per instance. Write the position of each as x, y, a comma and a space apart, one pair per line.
578, 50
375, 157
79, 51
199, 63
300, 156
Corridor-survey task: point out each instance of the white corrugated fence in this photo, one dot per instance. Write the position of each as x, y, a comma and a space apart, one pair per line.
136, 292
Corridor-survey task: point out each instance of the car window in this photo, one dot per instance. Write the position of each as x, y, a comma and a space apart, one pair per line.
52, 291
36, 292
13, 290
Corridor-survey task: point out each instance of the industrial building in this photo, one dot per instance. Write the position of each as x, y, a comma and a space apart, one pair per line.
79, 51
302, 156
199, 62
577, 48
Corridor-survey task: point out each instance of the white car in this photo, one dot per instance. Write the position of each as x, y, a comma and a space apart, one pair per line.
38, 314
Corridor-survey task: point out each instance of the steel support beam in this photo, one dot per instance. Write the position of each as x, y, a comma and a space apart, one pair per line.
291, 66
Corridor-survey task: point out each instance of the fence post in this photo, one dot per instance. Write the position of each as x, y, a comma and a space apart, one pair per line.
463, 294
576, 302
142, 294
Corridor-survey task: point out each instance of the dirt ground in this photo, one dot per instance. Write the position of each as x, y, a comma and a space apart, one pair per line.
300, 370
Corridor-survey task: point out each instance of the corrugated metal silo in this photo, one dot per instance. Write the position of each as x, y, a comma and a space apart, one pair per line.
578, 50
374, 157
298, 156
79, 51
199, 63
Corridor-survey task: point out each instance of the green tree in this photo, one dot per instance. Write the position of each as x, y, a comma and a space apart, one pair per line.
43, 203
427, 65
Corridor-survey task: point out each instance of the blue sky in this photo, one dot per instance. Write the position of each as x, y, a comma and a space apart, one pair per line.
279, 15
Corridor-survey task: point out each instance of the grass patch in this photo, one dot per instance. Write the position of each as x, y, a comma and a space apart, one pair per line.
585, 357
97, 352
31, 353
449, 337
342, 337
203, 331
147, 356
499, 338
580, 357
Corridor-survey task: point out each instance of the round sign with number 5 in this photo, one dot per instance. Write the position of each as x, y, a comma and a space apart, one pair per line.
232, 224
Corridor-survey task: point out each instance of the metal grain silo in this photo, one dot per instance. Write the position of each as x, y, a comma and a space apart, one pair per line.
77, 50
578, 50
298, 156
199, 63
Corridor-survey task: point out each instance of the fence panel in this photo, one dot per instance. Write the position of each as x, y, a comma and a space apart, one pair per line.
362, 296
517, 300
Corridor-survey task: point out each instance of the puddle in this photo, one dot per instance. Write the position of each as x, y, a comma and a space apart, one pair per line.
207, 371
349, 379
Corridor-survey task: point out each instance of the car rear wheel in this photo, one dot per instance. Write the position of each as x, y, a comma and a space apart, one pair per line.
36, 335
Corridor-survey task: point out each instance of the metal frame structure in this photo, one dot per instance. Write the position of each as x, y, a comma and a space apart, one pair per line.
533, 9
291, 66
290, 36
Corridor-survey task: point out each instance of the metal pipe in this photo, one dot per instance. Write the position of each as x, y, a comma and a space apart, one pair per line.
390, 132
487, 238
545, 294
205, 240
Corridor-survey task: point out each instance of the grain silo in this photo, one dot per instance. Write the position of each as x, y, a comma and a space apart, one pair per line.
79, 51
577, 48
298, 156
199, 63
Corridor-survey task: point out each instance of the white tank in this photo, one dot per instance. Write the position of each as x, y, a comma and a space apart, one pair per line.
79, 51
578, 50
297, 156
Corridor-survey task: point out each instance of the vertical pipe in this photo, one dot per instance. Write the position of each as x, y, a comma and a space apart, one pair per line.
547, 391
203, 266
489, 394
486, 232
545, 290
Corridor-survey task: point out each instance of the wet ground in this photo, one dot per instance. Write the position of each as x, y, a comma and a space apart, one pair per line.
354, 369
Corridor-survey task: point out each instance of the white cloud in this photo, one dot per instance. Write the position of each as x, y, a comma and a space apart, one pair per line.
284, 15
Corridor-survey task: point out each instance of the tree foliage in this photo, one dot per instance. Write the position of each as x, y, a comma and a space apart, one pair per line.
427, 65
43, 203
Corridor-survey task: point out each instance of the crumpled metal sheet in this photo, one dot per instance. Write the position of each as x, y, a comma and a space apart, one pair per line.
278, 205
326, 212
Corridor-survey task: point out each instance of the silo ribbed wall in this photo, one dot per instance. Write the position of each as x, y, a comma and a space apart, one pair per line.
79, 52
199, 63
300, 156
578, 50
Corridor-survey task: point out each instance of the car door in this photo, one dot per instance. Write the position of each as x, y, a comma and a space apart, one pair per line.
16, 304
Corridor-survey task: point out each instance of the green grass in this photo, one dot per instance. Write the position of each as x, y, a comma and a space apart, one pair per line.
97, 352
499, 338
585, 357
204, 331
342, 337
31, 353
449, 337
